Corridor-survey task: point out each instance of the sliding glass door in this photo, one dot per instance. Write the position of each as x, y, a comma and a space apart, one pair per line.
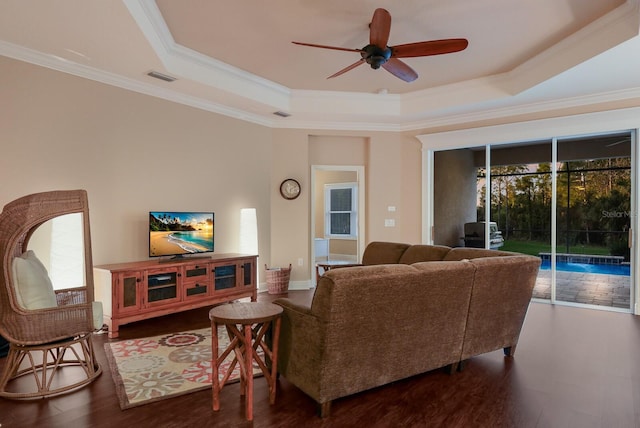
567, 201
593, 221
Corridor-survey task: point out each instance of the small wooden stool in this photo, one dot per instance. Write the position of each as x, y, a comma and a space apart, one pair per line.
246, 323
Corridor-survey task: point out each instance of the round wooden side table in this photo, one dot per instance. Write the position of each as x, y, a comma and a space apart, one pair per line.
247, 324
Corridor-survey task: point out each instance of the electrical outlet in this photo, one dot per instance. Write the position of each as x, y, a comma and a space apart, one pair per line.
300, 261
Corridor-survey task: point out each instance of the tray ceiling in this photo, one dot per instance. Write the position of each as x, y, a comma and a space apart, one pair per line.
237, 59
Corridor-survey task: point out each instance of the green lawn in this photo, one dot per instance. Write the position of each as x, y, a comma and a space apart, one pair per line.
535, 248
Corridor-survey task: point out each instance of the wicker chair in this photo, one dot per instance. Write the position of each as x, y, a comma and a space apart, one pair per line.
51, 350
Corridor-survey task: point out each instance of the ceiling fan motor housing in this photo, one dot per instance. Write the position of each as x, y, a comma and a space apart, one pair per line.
375, 56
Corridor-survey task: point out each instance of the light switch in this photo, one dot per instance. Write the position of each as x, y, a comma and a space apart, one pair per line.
391, 209
389, 222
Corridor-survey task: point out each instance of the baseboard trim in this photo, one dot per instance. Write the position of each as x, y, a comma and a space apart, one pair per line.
293, 285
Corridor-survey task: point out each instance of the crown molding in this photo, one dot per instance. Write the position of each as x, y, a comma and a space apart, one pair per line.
387, 111
559, 127
69, 67
187, 63
618, 26
448, 105
318, 122
523, 109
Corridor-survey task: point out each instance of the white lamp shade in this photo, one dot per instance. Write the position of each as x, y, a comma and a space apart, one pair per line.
248, 231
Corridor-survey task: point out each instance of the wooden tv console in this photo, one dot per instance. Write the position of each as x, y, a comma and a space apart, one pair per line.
140, 290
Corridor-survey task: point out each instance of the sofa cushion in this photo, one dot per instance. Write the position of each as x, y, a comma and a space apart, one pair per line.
379, 253
460, 253
423, 253
321, 305
442, 266
34, 289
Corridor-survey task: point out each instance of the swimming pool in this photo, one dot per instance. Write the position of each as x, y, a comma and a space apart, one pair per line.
606, 269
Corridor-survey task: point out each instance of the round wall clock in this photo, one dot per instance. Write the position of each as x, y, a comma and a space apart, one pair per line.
290, 188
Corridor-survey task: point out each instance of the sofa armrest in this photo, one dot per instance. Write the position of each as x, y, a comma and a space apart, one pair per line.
300, 346
290, 306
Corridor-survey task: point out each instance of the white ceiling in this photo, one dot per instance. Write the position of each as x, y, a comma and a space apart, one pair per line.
236, 58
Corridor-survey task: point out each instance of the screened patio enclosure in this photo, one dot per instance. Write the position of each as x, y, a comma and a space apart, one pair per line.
568, 201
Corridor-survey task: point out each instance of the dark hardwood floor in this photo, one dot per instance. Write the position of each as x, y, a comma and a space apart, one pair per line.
573, 368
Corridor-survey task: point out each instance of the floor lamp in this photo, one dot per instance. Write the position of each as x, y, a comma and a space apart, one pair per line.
249, 234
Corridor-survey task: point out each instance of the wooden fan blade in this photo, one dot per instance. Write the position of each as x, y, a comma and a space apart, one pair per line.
344, 70
400, 70
327, 47
380, 28
433, 47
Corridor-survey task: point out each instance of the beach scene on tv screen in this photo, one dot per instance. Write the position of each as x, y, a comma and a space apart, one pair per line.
172, 233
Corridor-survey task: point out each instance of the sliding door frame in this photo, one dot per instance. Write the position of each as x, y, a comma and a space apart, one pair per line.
554, 128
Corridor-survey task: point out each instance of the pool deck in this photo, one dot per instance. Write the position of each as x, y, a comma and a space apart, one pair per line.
585, 288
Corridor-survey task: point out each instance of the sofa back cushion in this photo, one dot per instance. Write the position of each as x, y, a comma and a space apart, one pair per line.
462, 253
379, 253
423, 253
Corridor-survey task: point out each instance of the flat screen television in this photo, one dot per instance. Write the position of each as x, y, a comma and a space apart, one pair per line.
180, 233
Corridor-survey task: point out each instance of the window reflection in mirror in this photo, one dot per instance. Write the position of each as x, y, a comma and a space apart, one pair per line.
59, 245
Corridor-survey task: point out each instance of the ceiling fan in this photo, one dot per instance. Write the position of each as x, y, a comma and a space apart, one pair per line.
378, 54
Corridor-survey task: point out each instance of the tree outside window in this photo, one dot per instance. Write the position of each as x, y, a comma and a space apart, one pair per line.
593, 204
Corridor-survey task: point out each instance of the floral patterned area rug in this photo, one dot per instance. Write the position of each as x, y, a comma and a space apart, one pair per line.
155, 368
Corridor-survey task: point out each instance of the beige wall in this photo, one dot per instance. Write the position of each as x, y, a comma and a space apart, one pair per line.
388, 154
394, 180
132, 153
135, 153
290, 219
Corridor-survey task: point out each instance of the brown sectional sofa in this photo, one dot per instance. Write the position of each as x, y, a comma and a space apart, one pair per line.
406, 310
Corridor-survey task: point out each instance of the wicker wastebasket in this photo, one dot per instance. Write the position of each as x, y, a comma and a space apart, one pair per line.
277, 279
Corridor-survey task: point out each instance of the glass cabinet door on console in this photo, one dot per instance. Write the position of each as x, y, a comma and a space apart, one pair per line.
196, 281
128, 292
235, 276
162, 286
224, 277
247, 273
